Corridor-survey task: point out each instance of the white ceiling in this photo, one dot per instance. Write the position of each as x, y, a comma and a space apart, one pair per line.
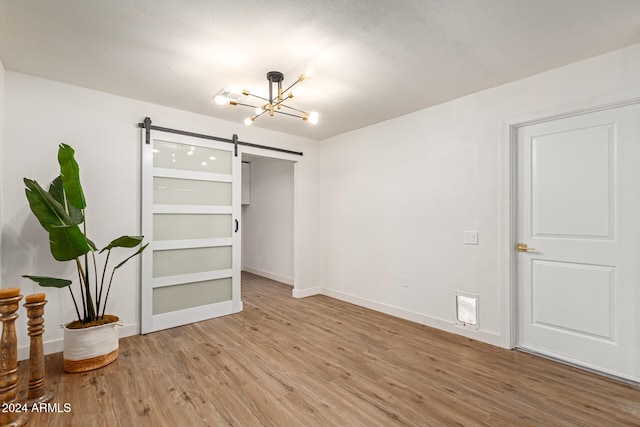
373, 59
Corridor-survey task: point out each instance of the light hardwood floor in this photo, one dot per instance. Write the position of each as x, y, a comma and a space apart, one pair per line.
322, 362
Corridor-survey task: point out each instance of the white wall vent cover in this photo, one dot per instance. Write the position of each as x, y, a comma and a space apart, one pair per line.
466, 310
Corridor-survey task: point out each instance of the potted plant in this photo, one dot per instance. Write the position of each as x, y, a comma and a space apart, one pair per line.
91, 341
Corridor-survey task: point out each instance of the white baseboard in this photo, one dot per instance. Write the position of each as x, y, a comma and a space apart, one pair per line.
303, 293
434, 322
268, 275
55, 346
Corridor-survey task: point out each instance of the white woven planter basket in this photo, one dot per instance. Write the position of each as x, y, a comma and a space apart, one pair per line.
90, 348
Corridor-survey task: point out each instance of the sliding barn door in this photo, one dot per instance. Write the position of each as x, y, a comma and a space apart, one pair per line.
190, 208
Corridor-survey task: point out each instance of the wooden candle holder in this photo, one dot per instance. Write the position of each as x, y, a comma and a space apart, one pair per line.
35, 309
14, 416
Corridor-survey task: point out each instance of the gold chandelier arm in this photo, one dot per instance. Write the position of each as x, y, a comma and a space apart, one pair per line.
281, 101
293, 108
292, 85
301, 77
259, 114
247, 93
289, 114
232, 102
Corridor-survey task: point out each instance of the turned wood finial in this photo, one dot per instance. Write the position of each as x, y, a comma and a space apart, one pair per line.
9, 292
35, 309
9, 299
35, 298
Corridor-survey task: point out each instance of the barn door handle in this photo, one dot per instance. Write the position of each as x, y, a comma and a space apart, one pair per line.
522, 247
236, 226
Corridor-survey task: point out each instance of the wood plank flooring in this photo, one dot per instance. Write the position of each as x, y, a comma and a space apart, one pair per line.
322, 362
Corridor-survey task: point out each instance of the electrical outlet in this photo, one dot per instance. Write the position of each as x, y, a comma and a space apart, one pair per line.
404, 281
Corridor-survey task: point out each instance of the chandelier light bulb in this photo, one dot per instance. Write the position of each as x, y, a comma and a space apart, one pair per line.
248, 121
313, 118
221, 100
308, 73
259, 110
298, 91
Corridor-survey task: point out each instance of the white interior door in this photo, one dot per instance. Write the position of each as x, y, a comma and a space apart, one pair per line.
579, 214
190, 208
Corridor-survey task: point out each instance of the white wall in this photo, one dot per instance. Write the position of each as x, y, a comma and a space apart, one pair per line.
2, 158
393, 199
268, 220
102, 128
397, 196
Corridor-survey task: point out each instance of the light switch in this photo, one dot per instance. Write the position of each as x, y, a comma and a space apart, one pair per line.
470, 237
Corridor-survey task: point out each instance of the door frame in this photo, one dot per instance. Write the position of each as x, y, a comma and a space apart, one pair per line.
508, 194
297, 242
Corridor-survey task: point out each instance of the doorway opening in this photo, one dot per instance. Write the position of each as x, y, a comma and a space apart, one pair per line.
268, 217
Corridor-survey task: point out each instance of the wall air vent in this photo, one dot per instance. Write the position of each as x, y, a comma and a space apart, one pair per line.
466, 310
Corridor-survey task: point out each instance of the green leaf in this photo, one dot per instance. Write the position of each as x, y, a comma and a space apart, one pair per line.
67, 242
49, 282
56, 189
138, 252
70, 173
123, 242
47, 210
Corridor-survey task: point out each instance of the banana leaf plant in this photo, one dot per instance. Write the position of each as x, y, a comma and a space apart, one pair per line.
61, 212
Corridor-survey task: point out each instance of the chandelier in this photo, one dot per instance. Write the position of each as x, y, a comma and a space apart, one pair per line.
273, 105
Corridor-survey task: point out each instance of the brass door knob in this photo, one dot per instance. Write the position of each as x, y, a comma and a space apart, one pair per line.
522, 247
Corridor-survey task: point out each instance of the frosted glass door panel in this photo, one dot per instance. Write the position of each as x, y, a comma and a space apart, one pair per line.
174, 262
172, 191
190, 295
190, 212
191, 226
171, 155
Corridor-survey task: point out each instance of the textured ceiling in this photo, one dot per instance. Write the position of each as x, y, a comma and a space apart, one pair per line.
373, 59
